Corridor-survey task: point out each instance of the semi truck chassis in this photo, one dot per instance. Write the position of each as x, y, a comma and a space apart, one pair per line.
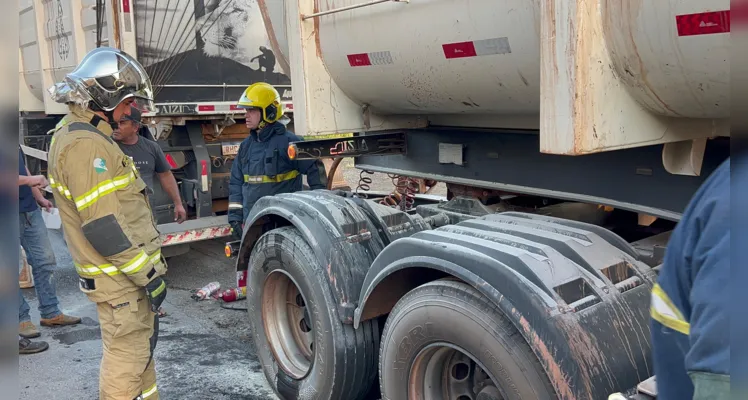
543, 294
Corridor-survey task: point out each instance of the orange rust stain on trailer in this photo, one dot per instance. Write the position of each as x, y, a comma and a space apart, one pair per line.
627, 321
620, 23
551, 22
280, 55
548, 69
317, 45
643, 72
581, 50
588, 355
557, 377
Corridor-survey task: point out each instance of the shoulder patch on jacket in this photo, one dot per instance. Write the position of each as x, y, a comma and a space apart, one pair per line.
99, 165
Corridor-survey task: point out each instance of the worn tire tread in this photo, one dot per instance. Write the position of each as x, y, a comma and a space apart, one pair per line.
357, 358
472, 297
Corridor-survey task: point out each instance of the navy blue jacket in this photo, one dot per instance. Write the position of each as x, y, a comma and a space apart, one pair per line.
262, 168
690, 322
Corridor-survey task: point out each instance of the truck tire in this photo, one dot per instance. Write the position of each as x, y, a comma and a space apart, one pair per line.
288, 294
444, 340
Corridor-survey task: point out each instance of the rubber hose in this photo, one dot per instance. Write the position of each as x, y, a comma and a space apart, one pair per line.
331, 174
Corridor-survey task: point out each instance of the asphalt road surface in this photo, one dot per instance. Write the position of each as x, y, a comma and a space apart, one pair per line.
203, 351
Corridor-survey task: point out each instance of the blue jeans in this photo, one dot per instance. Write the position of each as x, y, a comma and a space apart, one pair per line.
35, 242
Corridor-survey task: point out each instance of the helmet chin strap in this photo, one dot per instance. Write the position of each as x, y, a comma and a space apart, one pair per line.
109, 116
112, 122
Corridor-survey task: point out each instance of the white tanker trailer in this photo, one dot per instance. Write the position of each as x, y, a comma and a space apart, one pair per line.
571, 135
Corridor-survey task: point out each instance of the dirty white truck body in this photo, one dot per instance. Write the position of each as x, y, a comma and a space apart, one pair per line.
571, 135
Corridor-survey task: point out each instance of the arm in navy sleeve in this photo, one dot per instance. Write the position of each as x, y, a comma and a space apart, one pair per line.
236, 180
315, 173
708, 359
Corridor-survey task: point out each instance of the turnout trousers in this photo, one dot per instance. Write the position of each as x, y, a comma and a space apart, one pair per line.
129, 331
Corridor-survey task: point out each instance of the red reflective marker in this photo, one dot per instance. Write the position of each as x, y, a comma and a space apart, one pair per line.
706, 23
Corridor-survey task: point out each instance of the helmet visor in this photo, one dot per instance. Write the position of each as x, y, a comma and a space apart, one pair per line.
145, 105
245, 102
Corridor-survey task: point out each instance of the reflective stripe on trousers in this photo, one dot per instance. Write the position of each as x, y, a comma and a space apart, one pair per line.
149, 392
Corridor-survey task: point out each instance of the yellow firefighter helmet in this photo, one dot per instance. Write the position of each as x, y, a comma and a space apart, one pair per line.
265, 98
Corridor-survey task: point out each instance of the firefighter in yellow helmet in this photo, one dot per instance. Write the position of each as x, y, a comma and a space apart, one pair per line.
107, 218
262, 167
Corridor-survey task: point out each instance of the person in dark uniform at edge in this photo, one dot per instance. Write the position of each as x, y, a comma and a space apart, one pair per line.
149, 159
690, 324
262, 167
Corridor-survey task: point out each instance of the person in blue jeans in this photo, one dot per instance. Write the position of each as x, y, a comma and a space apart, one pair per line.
41, 258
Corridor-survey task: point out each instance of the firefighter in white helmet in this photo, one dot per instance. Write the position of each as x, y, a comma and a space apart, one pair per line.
107, 218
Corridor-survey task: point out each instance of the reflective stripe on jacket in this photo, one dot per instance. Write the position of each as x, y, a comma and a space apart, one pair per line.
262, 168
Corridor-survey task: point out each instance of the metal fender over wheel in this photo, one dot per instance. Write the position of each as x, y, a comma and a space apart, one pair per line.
444, 341
303, 347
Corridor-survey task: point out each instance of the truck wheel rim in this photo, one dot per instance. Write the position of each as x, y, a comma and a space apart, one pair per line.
288, 326
444, 371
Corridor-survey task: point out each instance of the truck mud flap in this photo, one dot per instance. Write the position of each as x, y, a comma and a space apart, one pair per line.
576, 293
345, 233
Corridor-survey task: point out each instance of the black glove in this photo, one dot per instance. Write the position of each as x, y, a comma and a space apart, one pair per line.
156, 290
236, 230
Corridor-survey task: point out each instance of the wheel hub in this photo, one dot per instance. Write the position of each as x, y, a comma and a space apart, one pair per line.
288, 326
442, 372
